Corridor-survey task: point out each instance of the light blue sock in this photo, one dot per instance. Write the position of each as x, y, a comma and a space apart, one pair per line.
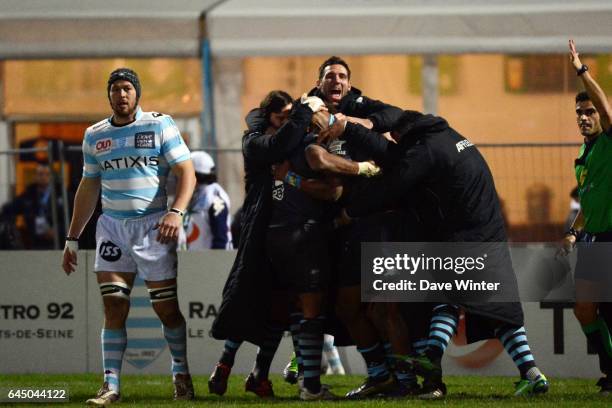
177, 343
114, 342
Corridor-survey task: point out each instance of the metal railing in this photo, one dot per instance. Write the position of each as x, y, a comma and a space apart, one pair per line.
515, 167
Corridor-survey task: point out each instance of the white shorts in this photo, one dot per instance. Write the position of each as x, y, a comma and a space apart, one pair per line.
130, 245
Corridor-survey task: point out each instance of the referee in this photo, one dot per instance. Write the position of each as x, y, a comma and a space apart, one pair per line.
593, 225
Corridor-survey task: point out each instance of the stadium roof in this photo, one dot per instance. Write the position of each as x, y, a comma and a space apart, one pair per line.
140, 28
298, 27
100, 28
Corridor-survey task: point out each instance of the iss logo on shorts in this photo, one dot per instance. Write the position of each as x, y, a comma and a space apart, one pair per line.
144, 140
109, 251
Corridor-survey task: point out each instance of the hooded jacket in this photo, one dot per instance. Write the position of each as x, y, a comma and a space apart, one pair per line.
245, 306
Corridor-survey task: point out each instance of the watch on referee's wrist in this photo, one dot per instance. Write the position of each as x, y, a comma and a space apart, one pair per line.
69, 238
584, 68
574, 232
177, 211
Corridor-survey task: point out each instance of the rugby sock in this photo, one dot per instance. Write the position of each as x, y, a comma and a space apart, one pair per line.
442, 328
404, 372
515, 342
374, 357
332, 356
177, 343
230, 348
265, 354
389, 356
311, 346
114, 342
598, 335
294, 328
419, 346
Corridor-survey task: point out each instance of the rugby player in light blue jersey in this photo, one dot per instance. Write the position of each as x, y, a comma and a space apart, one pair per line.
128, 157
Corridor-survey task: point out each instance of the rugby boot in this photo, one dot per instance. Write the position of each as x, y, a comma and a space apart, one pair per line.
528, 388
183, 388
290, 372
323, 395
372, 386
104, 397
432, 389
260, 387
426, 365
605, 386
217, 383
402, 390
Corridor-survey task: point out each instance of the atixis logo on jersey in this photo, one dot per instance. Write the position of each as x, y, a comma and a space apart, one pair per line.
462, 145
103, 145
130, 162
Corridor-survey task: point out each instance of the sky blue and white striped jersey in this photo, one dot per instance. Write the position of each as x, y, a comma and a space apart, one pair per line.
133, 161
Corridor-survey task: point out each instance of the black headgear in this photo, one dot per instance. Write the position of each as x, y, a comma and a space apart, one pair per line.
125, 74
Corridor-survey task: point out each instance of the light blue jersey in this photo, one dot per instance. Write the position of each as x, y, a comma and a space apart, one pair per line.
133, 161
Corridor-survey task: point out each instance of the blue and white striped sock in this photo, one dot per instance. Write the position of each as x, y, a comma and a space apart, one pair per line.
311, 347
515, 342
374, 357
442, 328
177, 343
230, 348
114, 342
419, 345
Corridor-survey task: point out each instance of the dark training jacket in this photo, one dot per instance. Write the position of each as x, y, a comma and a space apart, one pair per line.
245, 307
440, 174
382, 115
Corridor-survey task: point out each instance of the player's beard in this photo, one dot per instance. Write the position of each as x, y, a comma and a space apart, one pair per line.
121, 113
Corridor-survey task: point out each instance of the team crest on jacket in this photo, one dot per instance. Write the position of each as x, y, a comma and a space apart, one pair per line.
278, 190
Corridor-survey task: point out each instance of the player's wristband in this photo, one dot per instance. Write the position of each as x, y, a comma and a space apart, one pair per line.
293, 179
69, 238
177, 211
582, 70
72, 245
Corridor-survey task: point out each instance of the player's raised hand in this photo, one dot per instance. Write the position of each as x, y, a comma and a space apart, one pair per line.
574, 55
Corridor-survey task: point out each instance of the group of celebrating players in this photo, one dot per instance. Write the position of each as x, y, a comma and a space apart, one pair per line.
323, 174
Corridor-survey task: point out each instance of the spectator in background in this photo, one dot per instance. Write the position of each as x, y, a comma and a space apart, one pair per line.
207, 222
34, 204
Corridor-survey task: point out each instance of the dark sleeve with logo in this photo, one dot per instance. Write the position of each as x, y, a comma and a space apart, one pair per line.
448, 181
262, 148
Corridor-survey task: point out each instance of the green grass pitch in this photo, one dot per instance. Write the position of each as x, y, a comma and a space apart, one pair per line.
156, 391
